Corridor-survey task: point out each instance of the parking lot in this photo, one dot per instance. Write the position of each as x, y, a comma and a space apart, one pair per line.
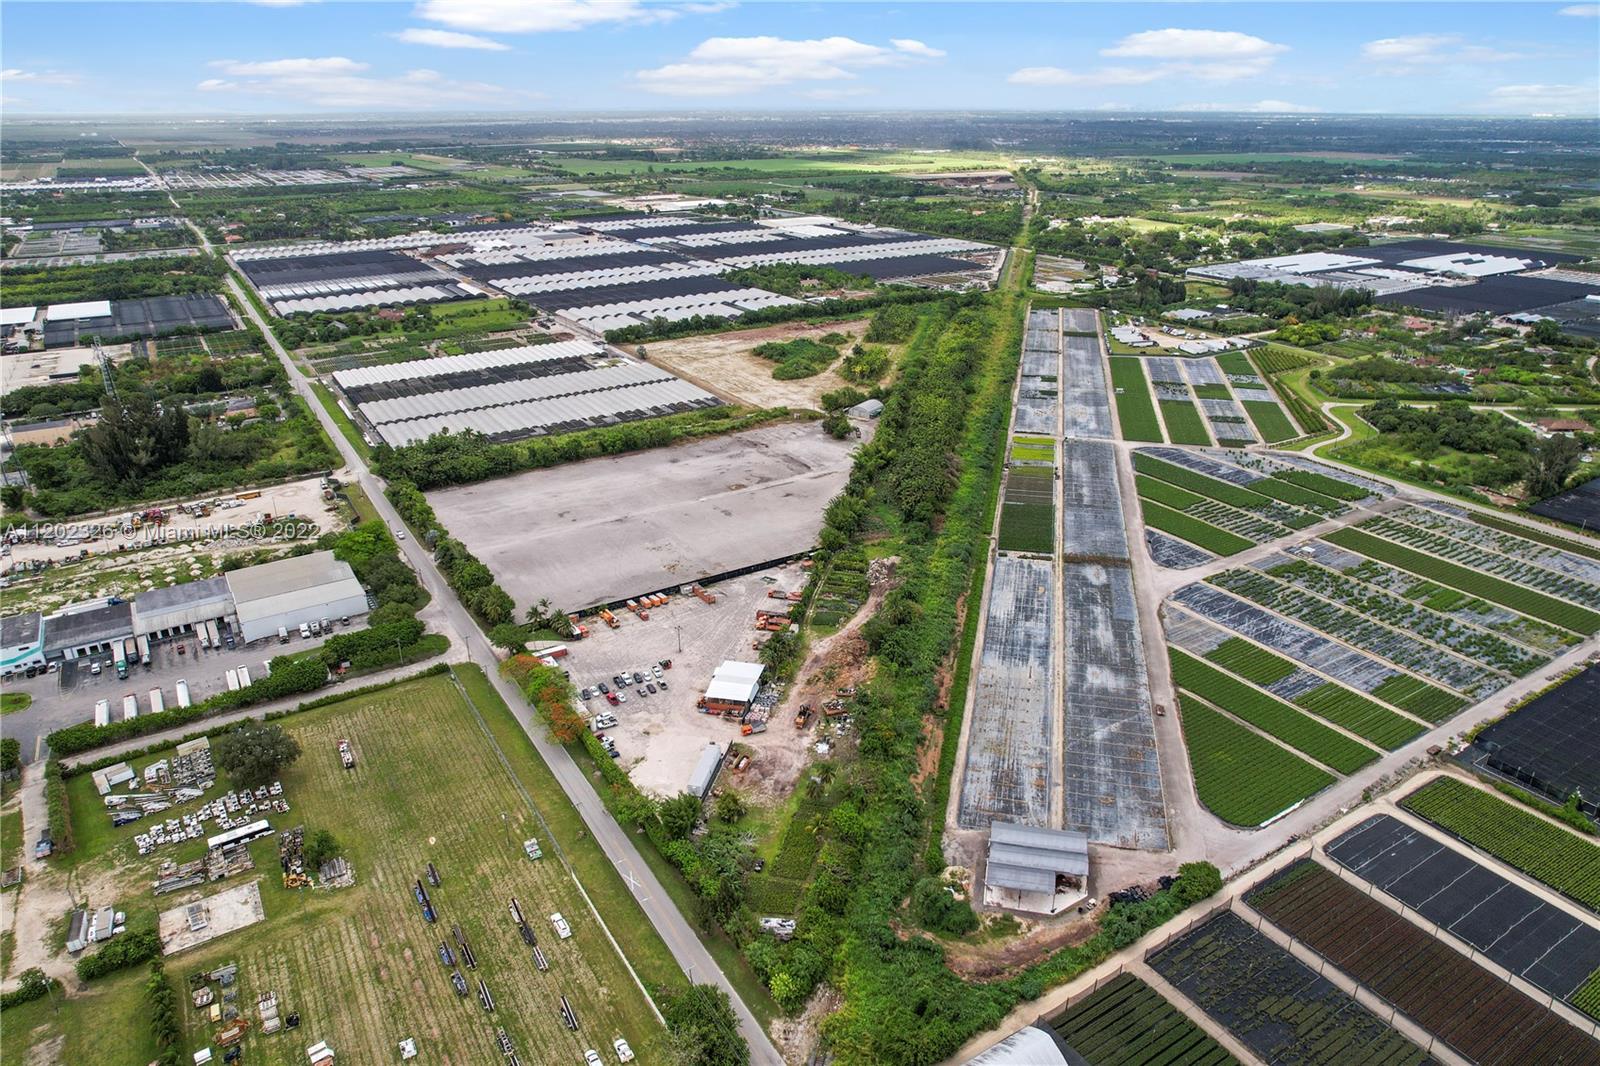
601, 530
661, 735
68, 696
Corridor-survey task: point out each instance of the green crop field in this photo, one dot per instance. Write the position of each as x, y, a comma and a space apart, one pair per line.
1250, 661
1570, 544
1165, 493
1135, 411
1362, 716
1212, 391
1210, 487
1235, 362
360, 965
1243, 778
1028, 512
1269, 714
1184, 424
1518, 598
1420, 698
1127, 1023
1289, 492
1546, 852
1270, 421
1192, 529
1328, 486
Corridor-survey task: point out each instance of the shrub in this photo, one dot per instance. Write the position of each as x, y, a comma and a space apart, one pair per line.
32, 984
938, 910
129, 949
254, 753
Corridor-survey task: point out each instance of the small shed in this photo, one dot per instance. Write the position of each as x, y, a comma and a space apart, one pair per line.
868, 408
78, 931
733, 686
705, 770
1030, 868
109, 777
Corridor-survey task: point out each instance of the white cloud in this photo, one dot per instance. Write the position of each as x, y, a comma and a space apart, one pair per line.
706, 8
38, 77
1405, 55
1103, 76
449, 39
1264, 107
334, 81
728, 66
1543, 99
1189, 45
1582, 11
541, 16
280, 3
916, 48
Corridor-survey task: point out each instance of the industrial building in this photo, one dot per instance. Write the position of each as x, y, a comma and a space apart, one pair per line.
1028, 868
176, 609
705, 770
21, 642
287, 592
86, 629
65, 325
733, 687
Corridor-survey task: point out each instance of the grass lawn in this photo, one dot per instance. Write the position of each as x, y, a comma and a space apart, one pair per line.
432, 783
1135, 411
14, 701
106, 1025
1184, 424
10, 838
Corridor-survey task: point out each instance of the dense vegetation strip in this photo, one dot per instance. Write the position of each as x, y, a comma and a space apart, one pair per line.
1242, 777
1269, 714
1135, 411
1566, 862
1567, 544
1128, 1023
1362, 716
1196, 482
1568, 615
1184, 424
1251, 661
1270, 421
1193, 530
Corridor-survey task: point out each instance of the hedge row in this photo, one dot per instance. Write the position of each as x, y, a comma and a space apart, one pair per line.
129, 949
57, 809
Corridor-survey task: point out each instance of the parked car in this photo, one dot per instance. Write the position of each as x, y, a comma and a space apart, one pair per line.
642, 692
651, 686
611, 698
586, 694
656, 670
604, 691
591, 1057
638, 678
622, 697
663, 684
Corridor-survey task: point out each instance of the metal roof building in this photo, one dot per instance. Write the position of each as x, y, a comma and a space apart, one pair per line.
179, 608
80, 631
21, 641
287, 592
705, 770
1027, 865
734, 682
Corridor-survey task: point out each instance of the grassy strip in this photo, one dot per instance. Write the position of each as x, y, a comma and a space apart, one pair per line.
348, 428
1135, 411
1241, 777
1163, 492
1362, 716
1558, 612
1270, 421
1193, 530
1566, 544
1210, 487
1269, 714
1567, 863
1184, 424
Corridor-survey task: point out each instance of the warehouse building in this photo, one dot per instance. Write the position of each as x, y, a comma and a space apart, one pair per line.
85, 629
21, 642
733, 687
1042, 871
167, 612
287, 592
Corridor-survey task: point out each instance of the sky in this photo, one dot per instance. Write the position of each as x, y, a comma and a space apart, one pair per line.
289, 57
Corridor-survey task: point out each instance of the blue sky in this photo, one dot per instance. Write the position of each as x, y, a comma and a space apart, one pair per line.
549, 55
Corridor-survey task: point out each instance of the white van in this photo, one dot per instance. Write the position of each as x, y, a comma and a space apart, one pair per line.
283, 634
305, 631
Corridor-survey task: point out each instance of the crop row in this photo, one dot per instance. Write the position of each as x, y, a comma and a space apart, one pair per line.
1287, 491
1354, 629
1476, 644
1269, 714
1273, 1003
1246, 524
1420, 698
1135, 410
1470, 1008
1509, 542
1192, 530
1242, 777
1128, 1023
1561, 859
1270, 421
1184, 424
1568, 615
1490, 562
1362, 716
1251, 661
1027, 527
1328, 486
1472, 609
1566, 544
1215, 489
1275, 360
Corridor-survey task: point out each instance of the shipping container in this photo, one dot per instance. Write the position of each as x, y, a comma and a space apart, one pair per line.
183, 692
143, 643
130, 707
244, 677
233, 680
102, 713
158, 703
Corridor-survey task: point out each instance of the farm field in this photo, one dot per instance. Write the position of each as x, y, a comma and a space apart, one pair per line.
1470, 1008
1183, 421
360, 965
1276, 1005
1191, 529
1559, 858
1135, 411
1242, 777
1269, 420
1269, 714
1027, 510
1128, 1023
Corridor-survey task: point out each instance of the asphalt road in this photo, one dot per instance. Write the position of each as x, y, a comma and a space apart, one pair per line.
680, 937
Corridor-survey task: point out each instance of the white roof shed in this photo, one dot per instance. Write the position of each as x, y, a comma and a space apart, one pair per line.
735, 682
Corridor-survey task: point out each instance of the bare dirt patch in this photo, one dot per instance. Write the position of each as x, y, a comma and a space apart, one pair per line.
228, 910
723, 363
991, 959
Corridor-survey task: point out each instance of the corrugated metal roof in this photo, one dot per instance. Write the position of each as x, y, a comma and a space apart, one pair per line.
1028, 858
287, 575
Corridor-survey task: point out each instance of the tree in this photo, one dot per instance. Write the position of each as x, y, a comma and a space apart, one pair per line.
254, 753
703, 1028
730, 807
550, 693
10, 754
679, 814
1550, 462
1547, 331
780, 653
320, 847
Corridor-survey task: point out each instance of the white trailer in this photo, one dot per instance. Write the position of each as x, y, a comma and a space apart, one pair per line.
233, 680
102, 713
212, 635
244, 676
158, 702
143, 643
183, 692
130, 707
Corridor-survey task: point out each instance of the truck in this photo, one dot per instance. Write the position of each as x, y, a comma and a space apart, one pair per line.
244, 676
158, 703
130, 650
102, 713
183, 692
283, 634
130, 707
212, 635
233, 680
121, 660
143, 643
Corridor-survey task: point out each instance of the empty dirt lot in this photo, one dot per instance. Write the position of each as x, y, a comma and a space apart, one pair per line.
607, 529
722, 363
